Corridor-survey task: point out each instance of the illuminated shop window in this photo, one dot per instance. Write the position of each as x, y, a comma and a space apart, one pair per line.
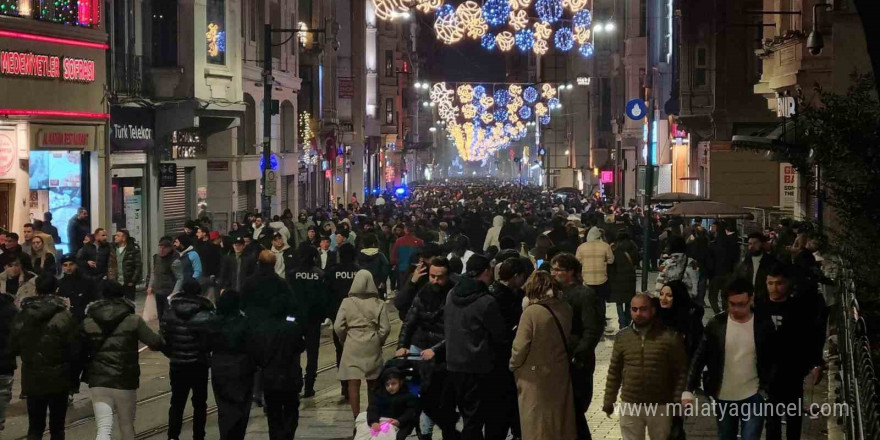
85, 13
215, 34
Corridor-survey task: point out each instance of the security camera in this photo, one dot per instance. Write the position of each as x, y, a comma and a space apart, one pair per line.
815, 43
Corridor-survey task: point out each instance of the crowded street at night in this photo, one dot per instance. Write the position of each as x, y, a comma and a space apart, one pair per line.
439, 219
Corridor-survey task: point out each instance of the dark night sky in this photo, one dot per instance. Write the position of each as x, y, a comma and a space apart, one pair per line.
463, 61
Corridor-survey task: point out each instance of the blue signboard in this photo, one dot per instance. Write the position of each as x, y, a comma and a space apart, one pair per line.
636, 109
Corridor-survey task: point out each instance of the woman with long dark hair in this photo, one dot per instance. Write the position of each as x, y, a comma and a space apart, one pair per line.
678, 312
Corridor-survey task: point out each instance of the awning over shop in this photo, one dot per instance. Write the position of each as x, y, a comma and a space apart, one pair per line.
707, 209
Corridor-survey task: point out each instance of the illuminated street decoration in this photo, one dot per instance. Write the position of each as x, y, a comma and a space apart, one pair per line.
495, 12
487, 118
581, 35
548, 91
586, 50
465, 93
479, 92
521, 23
564, 40
549, 10
530, 94
470, 15
505, 41
519, 19
525, 113
487, 101
488, 41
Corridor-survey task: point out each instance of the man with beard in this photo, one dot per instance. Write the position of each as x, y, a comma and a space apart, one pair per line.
307, 282
422, 334
339, 279
100, 265
755, 265
302, 227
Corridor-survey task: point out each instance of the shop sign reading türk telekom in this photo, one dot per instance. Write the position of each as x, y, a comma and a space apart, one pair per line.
32, 65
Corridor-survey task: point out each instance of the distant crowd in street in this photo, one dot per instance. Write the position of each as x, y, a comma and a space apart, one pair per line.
501, 291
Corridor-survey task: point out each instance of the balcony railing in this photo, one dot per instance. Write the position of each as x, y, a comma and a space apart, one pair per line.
128, 75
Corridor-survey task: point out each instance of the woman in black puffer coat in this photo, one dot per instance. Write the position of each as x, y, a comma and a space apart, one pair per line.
232, 369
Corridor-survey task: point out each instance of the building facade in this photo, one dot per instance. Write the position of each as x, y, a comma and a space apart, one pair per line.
53, 116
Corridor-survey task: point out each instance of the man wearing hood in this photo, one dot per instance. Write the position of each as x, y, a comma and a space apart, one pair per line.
182, 327
474, 331
373, 260
278, 226
188, 265
284, 259
595, 255
49, 369
237, 266
79, 290
307, 282
494, 234
303, 224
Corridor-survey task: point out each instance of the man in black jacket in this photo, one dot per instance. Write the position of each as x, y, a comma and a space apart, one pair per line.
409, 288
738, 349
7, 359
339, 279
423, 334
507, 291
307, 283
78, 289
182, 327
756, 263
475, 332
587, 326
237, 266
800, 335
725, 256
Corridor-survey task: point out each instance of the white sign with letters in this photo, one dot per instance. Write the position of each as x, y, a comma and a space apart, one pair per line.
788, 185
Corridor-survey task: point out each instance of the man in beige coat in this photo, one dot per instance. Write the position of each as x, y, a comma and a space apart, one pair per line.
649, 361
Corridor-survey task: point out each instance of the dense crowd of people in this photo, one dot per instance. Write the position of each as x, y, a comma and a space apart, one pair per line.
501, 291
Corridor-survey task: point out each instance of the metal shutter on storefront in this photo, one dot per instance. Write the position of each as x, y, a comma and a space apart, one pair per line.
242, 196
284, 192
174, 204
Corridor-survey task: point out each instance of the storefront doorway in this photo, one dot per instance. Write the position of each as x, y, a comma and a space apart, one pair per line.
56, 186
128, 203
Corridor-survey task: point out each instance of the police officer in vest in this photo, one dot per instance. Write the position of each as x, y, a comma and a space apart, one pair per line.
307, 282
339, 279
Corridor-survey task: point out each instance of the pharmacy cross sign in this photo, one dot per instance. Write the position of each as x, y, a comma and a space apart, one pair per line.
636, 109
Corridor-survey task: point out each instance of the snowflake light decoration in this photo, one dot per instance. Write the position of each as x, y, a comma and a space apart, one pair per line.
586, 50
549, 10
488, 41
525, 113
440, 94
505, 41
564, 40
530, 94
495, 12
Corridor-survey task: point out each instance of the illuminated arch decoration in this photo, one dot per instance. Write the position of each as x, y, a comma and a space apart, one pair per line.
526, 24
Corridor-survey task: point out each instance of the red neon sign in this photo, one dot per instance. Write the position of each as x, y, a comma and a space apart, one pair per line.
607, 177
53, 113
27, 64
53, 40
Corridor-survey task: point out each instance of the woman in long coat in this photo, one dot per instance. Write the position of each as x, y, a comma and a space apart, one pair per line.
539, 362
622, 275
362, 325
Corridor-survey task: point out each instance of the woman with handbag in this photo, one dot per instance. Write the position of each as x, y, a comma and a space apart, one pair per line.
540, 359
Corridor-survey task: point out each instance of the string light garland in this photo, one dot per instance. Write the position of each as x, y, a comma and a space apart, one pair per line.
473, 20
564, 39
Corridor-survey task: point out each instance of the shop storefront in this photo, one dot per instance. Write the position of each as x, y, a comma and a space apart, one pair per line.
52, 122
131, 141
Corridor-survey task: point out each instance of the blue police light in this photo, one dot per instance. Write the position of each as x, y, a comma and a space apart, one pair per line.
400, 191
273, 162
